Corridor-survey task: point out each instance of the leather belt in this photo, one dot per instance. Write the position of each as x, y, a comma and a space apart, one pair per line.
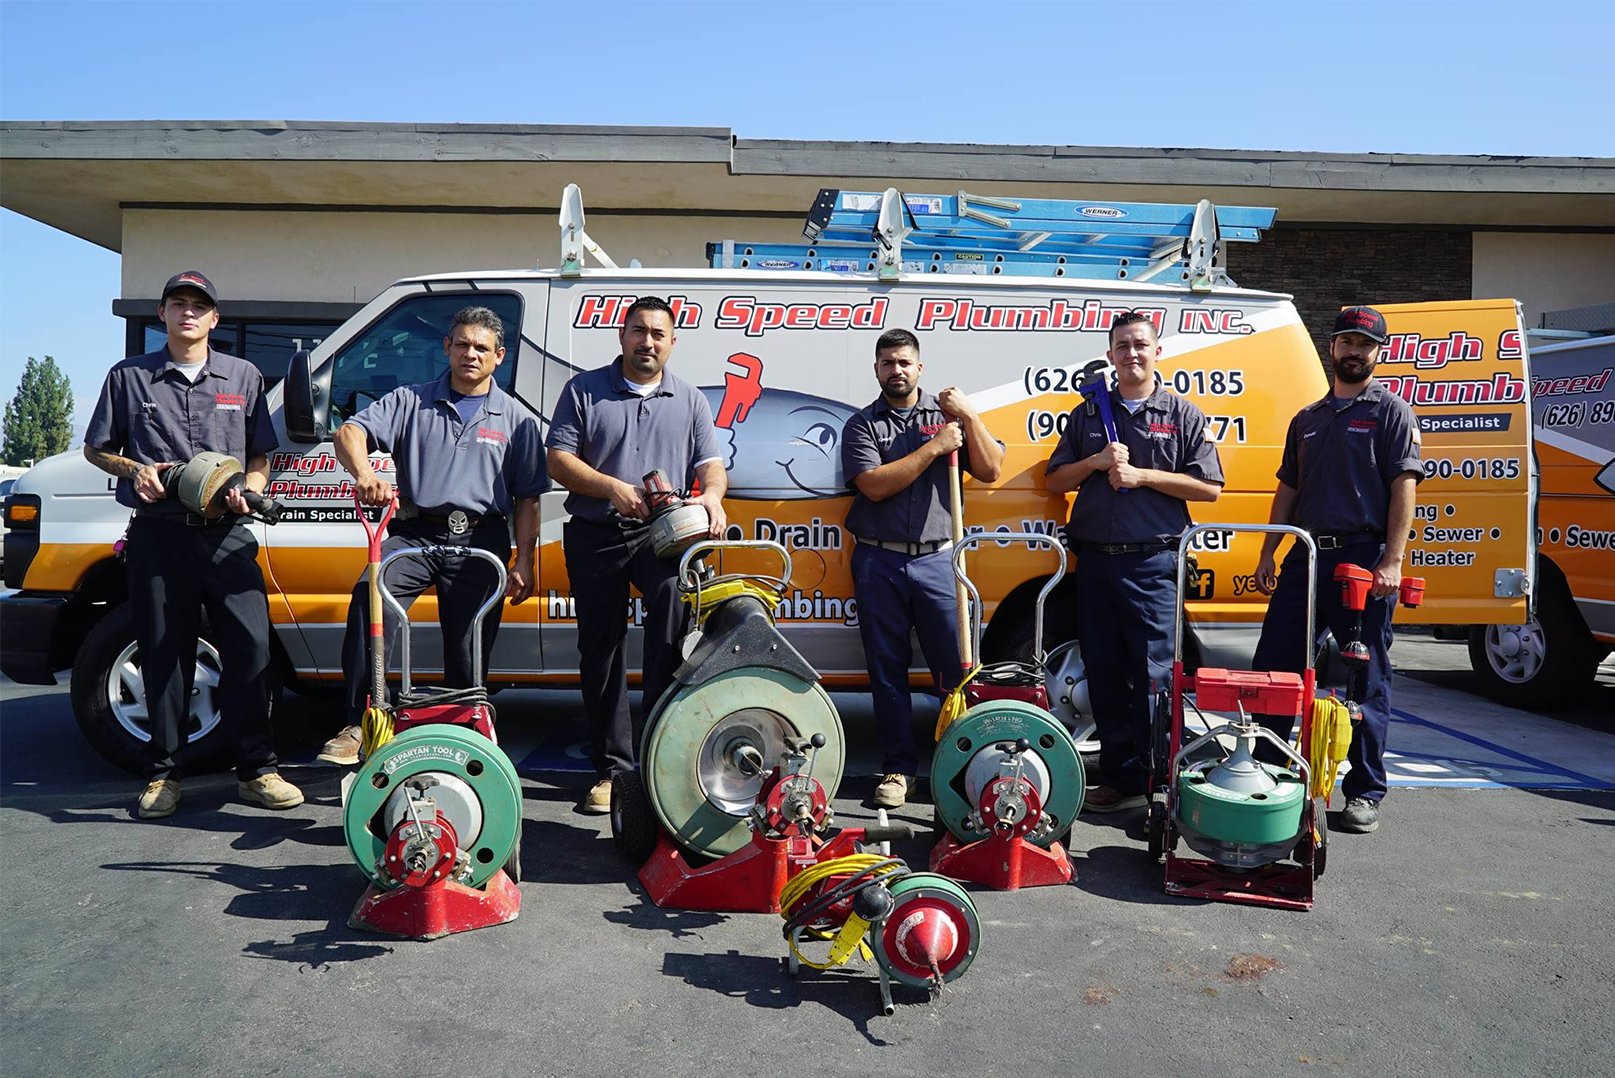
1340, 540
190, 520
911, 549
458, 522
1127, 548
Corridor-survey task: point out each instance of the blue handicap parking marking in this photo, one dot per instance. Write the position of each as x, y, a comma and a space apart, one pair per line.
555, 752
1432, 754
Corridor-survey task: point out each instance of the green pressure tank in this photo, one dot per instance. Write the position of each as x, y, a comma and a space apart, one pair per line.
1242, 812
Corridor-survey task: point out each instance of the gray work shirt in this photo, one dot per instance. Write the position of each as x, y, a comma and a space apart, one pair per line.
876, 435
482, 467
153, 414
1168, 434
619, 433
1341, 463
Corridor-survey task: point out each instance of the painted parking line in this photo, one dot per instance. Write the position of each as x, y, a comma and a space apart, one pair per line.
1434, 754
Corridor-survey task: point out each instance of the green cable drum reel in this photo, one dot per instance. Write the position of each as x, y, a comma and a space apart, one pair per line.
724, 722
468, 778
974, 746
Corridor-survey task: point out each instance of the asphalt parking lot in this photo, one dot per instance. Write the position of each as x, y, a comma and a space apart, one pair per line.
1468, 936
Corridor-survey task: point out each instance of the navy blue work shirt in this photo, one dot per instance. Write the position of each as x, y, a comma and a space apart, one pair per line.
1341, 462
604, 423
1167, 434
875, 435
153, 414
482, 466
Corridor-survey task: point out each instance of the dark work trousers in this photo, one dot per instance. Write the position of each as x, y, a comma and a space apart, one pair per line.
897, 592
601, 561
1284, 643
175, 571
463, 584
1125, 624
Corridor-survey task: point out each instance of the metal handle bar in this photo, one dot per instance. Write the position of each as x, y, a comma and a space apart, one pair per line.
1210, 736
690, 580
1266, 529
1030, 539
494, 600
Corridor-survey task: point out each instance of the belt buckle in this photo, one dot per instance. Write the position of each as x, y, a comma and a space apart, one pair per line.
459, 522
1327, 542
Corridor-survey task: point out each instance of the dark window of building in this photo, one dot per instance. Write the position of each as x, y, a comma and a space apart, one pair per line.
405, 346
266, 345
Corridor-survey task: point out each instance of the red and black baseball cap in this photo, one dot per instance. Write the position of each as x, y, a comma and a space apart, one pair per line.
1365, 320
191, 279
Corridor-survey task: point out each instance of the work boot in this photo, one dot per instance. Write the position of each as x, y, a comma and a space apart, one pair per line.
891, 792
1110, 799
343, 749
160, 798
270, 791
597, 802
1360, 816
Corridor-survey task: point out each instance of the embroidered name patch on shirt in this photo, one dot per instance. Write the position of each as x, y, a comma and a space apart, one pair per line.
229, 402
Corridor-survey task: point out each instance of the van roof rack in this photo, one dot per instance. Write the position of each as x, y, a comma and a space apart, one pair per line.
888, 232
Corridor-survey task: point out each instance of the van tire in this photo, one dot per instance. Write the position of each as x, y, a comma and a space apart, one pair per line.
111, 714
1547, 663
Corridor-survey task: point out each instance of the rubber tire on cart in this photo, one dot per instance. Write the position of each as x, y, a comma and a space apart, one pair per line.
1155, 828
1555, 659
116, 730
633, 821
513, 863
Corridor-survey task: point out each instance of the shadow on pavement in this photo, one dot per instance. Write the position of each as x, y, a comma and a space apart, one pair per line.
763, 982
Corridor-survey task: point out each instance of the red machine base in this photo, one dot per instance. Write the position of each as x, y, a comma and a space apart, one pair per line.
1277, 886
1002, 864
746, 881
441, 909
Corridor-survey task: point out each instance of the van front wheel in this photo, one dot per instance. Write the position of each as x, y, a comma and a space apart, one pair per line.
109, 699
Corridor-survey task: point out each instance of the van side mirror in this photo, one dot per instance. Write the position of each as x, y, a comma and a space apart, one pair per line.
306, 398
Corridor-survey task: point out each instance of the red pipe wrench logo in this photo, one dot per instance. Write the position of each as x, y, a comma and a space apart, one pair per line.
740, 390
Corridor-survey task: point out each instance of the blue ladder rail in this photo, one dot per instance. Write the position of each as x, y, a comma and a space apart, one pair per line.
889, 232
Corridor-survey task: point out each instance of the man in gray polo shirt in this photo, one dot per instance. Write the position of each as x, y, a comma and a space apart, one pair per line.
468, 463
895, 455
154, 411
611, 426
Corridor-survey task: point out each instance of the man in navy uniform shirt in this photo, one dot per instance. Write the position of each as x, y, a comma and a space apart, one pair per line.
894, 453
155, 411
611, 426
1348, 476
469, 467
1130, 511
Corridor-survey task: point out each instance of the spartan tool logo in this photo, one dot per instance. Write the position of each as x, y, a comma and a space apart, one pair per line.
778, 444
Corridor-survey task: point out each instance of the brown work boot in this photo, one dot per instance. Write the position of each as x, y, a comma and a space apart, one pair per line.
160, 799
1110, 799
597, 802
343, 749
270, 791
891, 792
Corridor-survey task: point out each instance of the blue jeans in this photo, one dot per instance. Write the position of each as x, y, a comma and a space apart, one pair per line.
897, 592
1285, 638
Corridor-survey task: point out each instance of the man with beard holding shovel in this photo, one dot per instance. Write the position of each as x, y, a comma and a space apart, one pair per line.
1348, 475
896, 454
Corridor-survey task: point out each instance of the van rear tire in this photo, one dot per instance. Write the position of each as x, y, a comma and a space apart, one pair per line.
1549, 662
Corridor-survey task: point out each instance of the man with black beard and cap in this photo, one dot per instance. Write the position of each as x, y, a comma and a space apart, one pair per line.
1350, 466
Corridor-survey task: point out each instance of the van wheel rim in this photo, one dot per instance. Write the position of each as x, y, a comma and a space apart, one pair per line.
126, 694
1516, 652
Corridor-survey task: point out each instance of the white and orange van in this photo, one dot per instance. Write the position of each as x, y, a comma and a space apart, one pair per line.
785, 357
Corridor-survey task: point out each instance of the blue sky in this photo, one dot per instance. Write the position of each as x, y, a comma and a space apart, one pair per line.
1443, 78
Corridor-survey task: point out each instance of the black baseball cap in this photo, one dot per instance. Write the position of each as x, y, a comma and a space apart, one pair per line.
1365, 320
191, 279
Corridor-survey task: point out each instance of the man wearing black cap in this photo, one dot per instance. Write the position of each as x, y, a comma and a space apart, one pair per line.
1350, 466
155, 411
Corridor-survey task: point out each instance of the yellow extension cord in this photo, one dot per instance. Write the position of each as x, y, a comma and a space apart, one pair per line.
953, 705
850, 938
1331, 737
